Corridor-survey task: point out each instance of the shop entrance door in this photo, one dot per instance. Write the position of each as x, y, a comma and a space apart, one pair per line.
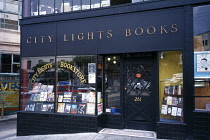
140, 106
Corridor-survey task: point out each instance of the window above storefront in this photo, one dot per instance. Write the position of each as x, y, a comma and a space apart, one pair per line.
44, 7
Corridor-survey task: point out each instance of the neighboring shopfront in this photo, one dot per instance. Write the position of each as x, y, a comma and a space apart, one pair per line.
124, 67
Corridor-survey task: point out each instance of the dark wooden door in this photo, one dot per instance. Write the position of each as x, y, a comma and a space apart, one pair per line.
139, 96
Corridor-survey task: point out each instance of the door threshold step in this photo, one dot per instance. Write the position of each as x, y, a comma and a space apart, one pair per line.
129, 132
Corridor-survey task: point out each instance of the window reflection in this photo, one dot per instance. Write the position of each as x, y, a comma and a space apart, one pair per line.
95, 3
67, 5
202, 57
112, 83
76, 5
46, 7
58, 6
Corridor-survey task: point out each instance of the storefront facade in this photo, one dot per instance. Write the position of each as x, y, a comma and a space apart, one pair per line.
125, 67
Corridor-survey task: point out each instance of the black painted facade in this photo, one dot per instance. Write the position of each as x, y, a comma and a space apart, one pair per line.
159, 25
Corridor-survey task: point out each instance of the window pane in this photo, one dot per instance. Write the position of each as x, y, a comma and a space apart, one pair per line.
85, 4
201, 56
105, 3
6, 61
46, 7
1, 5
202, 103
76, 5
16, 58
37, 84
95, 4
67, 6
12, 6
16, 68
112, 82
58, 6
34, 7
171, 84
76, 84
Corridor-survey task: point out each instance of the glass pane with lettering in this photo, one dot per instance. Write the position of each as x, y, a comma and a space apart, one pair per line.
37, 84
201, 57
76, 84
171, 86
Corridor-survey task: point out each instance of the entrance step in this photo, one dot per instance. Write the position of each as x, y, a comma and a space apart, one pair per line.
129, 132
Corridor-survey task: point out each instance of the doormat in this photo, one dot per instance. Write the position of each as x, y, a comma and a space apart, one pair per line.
129, 132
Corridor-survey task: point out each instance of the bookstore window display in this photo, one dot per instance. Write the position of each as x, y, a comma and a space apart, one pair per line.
37, 85
171, 86
112, 84
76, 85
202, 57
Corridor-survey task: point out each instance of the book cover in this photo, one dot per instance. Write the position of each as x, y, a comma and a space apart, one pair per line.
169, 110
27, 107
43, 88
38, 107
90, 109
166, 90
176, 89
164, 109
179, 101
174, 101
44, 107
50, 96
67, 94
92, 97
164, 100
32, 96
81, 109
174, 111
32, 107
66, 99
179, 112
36, 87
50, 88
43, 96
61, 107
85, 97
50, 107
67, 108
73, 109
171, 90
37, 97
169, 100
60, 98
180, 90
74, 99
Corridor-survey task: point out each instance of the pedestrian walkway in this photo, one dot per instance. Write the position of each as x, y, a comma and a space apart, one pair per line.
105, 134
9, 117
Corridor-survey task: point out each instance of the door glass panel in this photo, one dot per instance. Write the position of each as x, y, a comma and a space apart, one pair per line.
112, 84
138, 80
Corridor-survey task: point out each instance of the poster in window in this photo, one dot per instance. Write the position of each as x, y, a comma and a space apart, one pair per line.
90, 109
202, 64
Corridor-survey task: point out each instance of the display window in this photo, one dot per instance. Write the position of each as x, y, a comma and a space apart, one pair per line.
76, 85
37, 84
171, 86
112, 84
202, 58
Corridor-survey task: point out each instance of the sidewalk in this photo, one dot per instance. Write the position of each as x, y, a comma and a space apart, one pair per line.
9, 117
76, 136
